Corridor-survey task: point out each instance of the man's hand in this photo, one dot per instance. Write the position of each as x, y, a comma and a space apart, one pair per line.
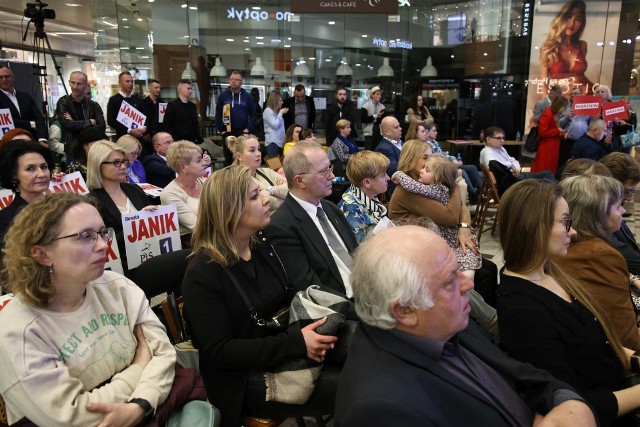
137, 132
117, 414
569, 413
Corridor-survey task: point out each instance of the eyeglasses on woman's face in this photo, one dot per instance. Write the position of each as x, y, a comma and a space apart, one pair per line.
90, 236
117, 163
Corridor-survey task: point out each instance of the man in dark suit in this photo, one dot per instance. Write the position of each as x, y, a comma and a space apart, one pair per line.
343, 108
417, 360
311, 235
22, 106
181, 117
302, 109
125, 80
390, 146
155, 166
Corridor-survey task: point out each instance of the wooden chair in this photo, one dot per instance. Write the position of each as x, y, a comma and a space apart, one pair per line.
3, 413
487, 199
273, 162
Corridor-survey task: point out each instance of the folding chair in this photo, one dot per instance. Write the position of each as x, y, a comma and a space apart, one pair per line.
487, 199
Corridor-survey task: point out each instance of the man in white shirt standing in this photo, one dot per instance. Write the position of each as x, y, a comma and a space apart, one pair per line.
494, 150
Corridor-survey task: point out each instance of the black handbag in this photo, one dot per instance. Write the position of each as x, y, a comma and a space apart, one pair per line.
531, 144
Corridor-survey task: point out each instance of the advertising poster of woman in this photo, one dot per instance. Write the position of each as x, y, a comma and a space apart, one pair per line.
571, 47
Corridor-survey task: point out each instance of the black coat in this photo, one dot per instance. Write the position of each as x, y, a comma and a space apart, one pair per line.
29, 112
624, 242
290, 117
113, 107
158, 171
335, 113
181, 121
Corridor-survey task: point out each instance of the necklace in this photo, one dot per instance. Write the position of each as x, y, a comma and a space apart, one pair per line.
190, 192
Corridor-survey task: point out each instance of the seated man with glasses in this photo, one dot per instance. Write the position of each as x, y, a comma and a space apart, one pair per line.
494, 150
311, 234
79, 345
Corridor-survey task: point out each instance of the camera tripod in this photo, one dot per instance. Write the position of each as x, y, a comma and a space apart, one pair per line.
42, 47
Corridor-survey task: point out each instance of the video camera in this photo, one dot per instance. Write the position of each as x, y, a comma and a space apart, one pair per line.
37, 12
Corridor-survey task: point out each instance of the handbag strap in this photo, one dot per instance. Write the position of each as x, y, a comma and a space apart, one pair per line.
262, 174
252, 308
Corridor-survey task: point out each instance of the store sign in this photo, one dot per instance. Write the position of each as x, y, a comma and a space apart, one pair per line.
394, 43
345, 6
527, 18
247, 14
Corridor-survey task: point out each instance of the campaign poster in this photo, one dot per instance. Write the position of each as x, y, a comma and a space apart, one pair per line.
570, 47
162, 108
587, 105
114, 262
150, 233
150, 189
130, 117
6, 121
71, 183
615, 109
6, 197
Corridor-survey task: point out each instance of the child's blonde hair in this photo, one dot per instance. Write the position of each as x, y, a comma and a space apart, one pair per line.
444, 171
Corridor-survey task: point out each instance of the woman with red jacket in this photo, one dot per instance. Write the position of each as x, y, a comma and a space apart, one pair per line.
549, 136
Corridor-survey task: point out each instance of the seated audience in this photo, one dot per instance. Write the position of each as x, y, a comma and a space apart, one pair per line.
596, 209
417, 360
591, 145
311, 234
308, 135
155, 166
546, 317
133, 148
185, 159
79, 345
584, 167
494, 150
626, 170
291, 138
367, 172
246, 150
230, 261
106, 180
25, 169
390, 146
417, 130
343, 146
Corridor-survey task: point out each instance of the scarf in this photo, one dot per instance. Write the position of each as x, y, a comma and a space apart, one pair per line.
375, 208
352, 146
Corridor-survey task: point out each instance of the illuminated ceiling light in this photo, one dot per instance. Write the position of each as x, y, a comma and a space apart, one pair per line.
229, 40
258, 69
429, 70
260, 43
189, 73
193, 7
385, 70
332, 22
364, 36
184, 5
218, 69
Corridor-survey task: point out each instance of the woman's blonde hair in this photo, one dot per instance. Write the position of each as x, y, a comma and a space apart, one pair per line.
272, 101
520, 221
412, 152
240, 144
444, 171
366, 164
412, 132
129, 144
39, 223
556, 35
179, 153
222, 202
342, 123
590, 198
98, 153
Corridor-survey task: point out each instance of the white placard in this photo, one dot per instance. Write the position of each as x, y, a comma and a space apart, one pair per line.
162, 108
130, 117
6, 198
207, 172
6, 121
150, 233
71, 183
150, 189
320, 103
114, 263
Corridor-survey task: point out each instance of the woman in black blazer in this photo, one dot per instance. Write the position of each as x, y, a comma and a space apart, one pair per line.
234, 349
106, 178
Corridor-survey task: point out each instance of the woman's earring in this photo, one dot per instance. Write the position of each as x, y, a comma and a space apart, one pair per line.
51, 273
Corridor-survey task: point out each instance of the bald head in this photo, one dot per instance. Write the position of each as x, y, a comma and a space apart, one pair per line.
390, 128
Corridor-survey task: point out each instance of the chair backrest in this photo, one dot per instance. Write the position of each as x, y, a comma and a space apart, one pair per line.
172, 308
273, 162
162, 273
491, 184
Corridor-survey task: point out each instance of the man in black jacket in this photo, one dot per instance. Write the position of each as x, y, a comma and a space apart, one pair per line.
302, 109
76, 112
125, 80
155, 166
181, 117
343, 108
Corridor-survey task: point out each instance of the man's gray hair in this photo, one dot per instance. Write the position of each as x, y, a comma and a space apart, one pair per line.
381, 277
296, 161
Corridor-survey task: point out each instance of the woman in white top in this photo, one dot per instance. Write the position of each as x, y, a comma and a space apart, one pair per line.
274, 124
186, 160
106, 178
247, 153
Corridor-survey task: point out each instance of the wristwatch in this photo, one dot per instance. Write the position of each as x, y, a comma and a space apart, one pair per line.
464, 225
270, 190
147, 409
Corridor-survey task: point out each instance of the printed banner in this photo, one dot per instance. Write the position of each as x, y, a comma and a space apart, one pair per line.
586, 105
130, 117
114, 262
150, 189
6, 197
6, 121
150, 233
72, 183
162, 108
611, 110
